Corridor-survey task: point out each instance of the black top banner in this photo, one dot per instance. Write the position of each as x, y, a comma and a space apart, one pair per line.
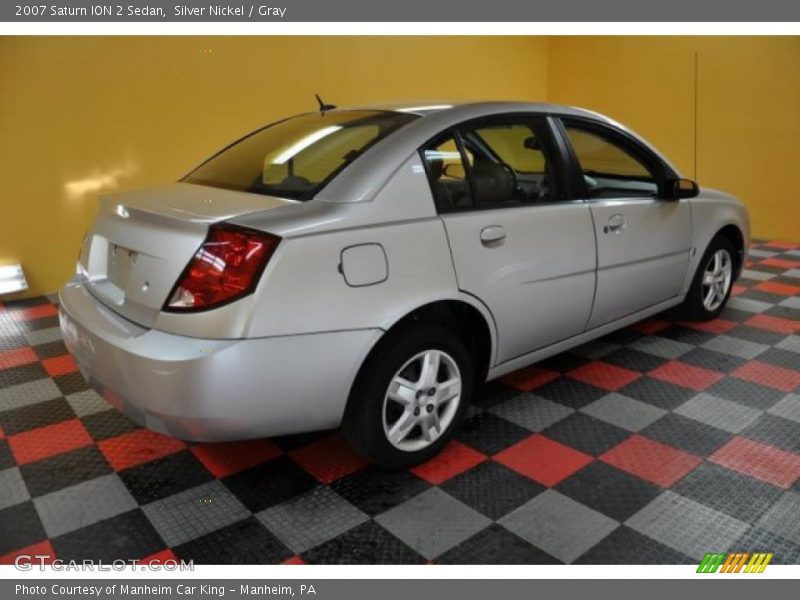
405, 11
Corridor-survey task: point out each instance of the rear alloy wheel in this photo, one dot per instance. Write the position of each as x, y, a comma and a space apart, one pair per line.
422, 400
712, 282
409, 396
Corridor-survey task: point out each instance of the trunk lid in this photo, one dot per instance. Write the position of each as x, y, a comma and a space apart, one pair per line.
140, 242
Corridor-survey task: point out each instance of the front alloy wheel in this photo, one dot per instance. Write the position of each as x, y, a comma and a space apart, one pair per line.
422, 400
717, 279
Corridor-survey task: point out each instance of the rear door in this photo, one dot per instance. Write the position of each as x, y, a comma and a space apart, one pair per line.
518, 243
643, 240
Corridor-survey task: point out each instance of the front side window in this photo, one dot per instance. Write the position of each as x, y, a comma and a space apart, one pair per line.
295, 158
610, 170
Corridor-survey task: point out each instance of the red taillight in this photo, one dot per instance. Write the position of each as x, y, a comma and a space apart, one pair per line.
227, 266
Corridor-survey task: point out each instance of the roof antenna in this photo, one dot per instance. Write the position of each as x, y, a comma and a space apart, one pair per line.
322, 106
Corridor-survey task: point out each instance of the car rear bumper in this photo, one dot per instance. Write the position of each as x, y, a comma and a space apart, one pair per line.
212, 390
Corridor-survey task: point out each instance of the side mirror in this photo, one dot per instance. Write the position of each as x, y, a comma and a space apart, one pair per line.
681, 188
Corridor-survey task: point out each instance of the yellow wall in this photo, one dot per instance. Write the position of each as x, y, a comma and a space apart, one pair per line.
79, 116
748, 109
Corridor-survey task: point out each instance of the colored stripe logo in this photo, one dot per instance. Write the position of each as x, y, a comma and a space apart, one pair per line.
735, 562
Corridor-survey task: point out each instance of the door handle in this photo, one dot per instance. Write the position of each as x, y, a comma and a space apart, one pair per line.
616, 224
492, 235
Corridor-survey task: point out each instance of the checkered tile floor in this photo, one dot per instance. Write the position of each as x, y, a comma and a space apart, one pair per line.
655, 444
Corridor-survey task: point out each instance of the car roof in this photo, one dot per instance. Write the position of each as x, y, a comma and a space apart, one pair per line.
429, 107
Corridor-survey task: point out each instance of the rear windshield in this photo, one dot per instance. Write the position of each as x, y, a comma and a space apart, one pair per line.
295, 158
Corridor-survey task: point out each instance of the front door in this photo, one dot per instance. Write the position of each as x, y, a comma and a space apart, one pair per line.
643, 242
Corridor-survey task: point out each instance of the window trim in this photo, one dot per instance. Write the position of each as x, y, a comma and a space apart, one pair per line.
565, 186
626, 142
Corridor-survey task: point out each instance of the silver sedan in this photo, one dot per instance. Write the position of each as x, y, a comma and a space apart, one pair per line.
368, 267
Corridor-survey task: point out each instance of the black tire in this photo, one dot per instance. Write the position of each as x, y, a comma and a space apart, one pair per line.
693, 308
363, 423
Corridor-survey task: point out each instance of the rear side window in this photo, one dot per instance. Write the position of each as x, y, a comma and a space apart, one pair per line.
494, 163
448, 175
295, 158
610, 168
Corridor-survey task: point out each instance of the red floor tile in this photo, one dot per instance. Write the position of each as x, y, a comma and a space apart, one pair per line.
685, 375
737, 289
543, 459
530, 378
655, 462
2, 433
781, 263
231, 457
39, 549
329, 459
715, 326
760, 461
603, 375
454, 459
17, 357
782, 289
34, 312
777, 324
650, 327
778, 378
59, 365
138, 447
294, 560
159, 558
43, 442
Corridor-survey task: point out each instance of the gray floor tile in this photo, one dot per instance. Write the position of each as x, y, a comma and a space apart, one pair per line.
43, 336
660, 346
687, 526
718, 412
433, 522
624, 412
753, 306
311, 519
791, 302
87, 402
531, 411
195, 512
83, 504
783, 518
12, 488
792, 273
788, 408
559, 525
735, 346
791, 342
757, 275
25, 394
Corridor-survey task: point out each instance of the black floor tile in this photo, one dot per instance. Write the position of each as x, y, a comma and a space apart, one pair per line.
269, 483
374, 490
687, 434
490, 434
509, 490
586, 433
36, 415
128, 536
624, 546
165, 476
245, 542
496, 545
367, 544
609, 490
64, 470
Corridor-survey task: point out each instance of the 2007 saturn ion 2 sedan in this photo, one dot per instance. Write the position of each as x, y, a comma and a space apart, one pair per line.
369, 267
